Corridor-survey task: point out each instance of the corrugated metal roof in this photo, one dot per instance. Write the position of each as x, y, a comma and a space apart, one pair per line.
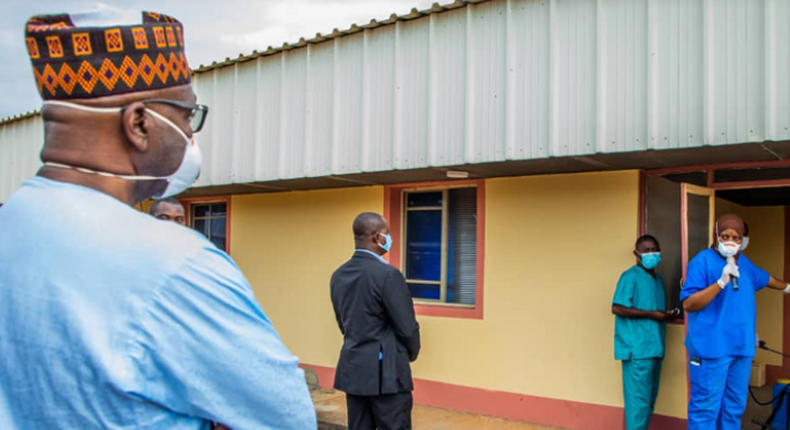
321, 38
504, 80
19, 117
500, 80
20, 144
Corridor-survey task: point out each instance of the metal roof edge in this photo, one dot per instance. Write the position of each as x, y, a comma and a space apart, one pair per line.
19, 117
321, 38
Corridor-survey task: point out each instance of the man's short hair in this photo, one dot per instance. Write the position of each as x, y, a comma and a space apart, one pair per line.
646, 238
168, 200
366, 223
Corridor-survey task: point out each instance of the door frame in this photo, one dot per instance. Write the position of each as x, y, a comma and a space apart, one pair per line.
710, 170
685, 190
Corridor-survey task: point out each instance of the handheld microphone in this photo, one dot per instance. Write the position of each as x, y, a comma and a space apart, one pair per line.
734, 279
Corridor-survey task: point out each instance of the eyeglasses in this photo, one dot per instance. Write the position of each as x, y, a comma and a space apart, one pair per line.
197, 116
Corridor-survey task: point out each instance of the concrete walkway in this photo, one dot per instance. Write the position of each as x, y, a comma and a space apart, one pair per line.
331, 409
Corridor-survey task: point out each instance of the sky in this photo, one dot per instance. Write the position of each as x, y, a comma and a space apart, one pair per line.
214, 30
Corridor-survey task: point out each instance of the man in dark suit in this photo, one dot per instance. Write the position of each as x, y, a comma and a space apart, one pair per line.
375, 312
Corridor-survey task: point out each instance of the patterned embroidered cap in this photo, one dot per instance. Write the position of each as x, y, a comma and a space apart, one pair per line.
72, 62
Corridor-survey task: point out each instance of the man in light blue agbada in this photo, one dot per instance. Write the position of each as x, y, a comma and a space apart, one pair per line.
113, 319
639, 306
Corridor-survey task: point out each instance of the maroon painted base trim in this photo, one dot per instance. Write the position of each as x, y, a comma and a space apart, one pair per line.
512, 406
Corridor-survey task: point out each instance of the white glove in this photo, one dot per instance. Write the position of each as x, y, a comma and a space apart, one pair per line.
787, 290
727, 273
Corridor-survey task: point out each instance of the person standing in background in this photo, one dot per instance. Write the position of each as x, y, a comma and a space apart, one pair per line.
169, 209
381, 336
639, 306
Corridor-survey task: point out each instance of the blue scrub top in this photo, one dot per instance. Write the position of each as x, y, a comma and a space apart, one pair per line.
639, 338
113, 319
726, 326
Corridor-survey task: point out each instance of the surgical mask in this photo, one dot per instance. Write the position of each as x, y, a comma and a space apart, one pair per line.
744, 243
185, 175
650, 259
728, 249
387, 242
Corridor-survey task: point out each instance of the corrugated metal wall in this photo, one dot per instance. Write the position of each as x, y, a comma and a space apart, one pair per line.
502, 80
20, 144
505, 80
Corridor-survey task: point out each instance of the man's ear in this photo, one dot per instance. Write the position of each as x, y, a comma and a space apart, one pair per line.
136, 124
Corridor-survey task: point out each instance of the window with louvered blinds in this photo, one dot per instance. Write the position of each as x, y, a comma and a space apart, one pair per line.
440, 244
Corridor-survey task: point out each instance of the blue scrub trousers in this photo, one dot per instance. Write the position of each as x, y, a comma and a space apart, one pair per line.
640, 390
719, 390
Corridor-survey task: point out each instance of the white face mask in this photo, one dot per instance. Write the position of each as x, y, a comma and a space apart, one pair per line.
744, 243
185, 175
728, 249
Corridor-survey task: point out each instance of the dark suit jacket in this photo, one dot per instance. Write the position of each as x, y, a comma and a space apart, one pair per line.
375, 313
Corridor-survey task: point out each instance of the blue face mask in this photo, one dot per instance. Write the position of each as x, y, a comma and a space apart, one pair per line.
387, 242
650, 260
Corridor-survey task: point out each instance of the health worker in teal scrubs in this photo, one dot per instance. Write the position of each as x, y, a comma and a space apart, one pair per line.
639, 306
719, 299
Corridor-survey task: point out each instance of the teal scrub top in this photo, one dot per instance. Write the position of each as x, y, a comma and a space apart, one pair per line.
639, 338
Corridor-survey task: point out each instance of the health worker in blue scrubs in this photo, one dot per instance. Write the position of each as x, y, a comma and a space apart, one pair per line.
718, 297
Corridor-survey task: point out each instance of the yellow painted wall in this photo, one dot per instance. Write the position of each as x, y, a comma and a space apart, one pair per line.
288, 245
144, 206
767, 250
555, 248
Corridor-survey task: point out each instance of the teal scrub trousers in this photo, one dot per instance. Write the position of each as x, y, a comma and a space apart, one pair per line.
640, 390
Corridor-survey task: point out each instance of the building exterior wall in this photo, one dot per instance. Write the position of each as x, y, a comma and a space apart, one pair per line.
20, 145
555, 247
487, 81
288, 245
503, 80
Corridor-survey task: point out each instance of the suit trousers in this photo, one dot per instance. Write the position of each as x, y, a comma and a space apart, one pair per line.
382, 412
